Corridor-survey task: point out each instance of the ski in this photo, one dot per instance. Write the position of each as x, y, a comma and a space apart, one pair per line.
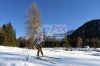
51, 57
44, 60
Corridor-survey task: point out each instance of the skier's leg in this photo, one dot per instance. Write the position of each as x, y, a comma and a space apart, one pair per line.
38, 51
41, 50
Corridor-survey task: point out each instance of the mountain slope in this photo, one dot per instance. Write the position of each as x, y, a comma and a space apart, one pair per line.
88, 30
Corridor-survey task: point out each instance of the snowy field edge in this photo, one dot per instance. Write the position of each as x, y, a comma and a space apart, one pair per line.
14, 56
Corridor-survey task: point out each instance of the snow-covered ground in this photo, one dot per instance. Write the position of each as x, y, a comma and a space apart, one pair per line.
12, 56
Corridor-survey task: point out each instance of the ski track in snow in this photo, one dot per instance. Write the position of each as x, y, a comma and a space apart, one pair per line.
13, 56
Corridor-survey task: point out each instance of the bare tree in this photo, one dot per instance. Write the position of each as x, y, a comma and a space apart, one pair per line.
33, 23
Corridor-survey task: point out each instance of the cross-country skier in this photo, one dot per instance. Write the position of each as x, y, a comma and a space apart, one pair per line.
39, 41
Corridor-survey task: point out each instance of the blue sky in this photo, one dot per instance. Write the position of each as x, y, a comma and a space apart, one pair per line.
72, 13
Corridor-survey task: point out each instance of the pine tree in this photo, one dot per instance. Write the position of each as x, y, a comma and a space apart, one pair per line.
79, 42
9, 34
66, 42
21, 42
93, 42
2, 38
97, 42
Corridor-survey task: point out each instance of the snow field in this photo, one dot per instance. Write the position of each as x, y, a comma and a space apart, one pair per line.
13, 56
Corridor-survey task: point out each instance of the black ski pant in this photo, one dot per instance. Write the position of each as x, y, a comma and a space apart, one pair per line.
39, 48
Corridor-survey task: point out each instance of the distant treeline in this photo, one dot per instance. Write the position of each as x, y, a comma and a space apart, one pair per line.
86, 35
8, 38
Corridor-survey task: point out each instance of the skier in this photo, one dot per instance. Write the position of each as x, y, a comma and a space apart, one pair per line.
39, 41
